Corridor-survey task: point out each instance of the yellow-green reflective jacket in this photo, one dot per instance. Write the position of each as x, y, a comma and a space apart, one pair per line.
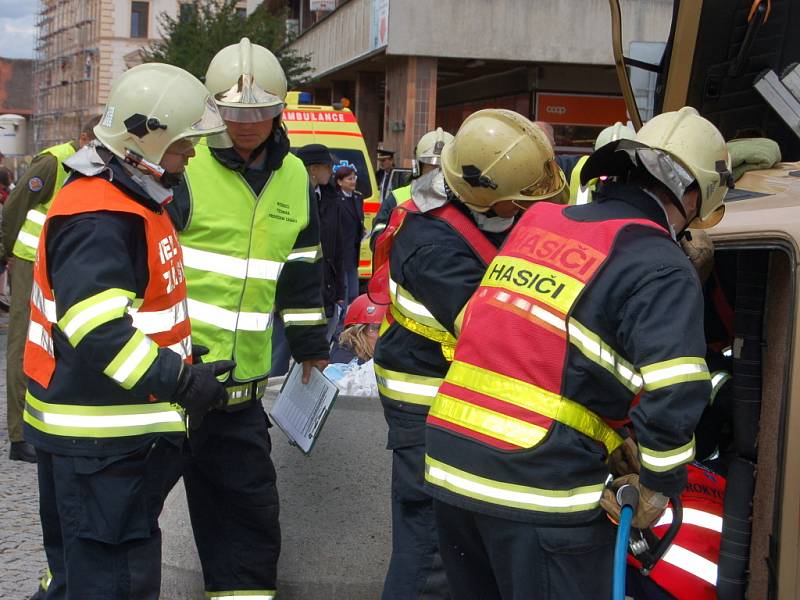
28, 237
234, 248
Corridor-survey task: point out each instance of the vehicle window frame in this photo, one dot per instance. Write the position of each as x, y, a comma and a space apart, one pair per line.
786, 246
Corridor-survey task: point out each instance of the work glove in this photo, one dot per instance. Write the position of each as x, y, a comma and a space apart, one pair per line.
625, 459
700, 250
199, 390
198, 352
651, 504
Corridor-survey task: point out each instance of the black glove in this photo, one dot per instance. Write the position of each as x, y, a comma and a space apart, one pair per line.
199, 390
198, 352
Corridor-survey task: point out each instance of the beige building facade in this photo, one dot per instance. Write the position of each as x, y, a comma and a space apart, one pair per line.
82, 47
408, 66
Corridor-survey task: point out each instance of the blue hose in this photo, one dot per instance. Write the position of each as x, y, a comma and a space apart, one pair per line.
621, 552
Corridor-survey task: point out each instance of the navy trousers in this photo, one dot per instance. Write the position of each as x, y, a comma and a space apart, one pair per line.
489, 558
100, 522
415, 570
233, 501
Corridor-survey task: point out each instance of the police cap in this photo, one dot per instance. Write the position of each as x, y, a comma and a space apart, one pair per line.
315, 154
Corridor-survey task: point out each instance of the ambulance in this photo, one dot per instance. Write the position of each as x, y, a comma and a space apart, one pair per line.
336, 127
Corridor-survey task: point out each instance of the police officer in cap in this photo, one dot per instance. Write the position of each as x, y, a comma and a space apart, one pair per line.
319, 164
384, 173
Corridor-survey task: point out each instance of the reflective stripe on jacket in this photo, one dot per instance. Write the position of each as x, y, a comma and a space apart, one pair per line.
411, 314
503, 395
28, 237
235, 247
159, 320
579, 194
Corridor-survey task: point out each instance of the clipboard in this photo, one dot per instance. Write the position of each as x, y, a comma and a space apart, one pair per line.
300, 410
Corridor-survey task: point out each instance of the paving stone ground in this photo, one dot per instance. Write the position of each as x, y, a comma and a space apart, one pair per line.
22, 558
334, 512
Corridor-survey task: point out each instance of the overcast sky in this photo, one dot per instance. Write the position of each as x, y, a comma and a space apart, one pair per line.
17, 30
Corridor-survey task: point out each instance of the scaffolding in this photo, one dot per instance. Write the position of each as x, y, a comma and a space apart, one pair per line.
66, 64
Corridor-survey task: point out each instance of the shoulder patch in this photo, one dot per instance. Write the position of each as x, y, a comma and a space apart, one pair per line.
35, 184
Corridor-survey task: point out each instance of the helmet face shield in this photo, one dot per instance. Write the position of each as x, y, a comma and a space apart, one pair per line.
666, 169
250, 114
550, 184
430, 160
210, 121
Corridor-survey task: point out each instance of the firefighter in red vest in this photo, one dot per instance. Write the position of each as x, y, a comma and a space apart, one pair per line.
585, 307
688, 570
109, 346
497, 162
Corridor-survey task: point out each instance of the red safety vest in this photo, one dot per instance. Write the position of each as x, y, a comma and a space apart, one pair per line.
504, 387
379, 283
162, 313
378, 288
688, 570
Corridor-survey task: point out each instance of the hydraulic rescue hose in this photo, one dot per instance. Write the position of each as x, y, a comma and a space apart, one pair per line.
628, 498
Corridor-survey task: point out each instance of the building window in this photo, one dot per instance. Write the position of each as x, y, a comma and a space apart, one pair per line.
139, 14
186, 11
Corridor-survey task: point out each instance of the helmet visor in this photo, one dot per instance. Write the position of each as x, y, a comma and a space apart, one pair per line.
210, 121
247, 114
667, 170
430, 159
550, 184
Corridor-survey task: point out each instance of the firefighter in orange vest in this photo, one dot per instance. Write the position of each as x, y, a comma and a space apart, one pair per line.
584, 308
109, 348
461, 214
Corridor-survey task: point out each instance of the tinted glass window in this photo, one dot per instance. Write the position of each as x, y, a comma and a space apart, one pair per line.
353, 158
400, 178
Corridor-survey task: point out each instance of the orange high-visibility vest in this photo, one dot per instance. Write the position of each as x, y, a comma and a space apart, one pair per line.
161, 314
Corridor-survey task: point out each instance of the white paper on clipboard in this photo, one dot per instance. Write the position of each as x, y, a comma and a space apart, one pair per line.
300, 410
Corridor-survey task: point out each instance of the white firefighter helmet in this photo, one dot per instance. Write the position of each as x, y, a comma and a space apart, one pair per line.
612, 133
429, 147
700, 148
500, 155
247, 82
153, 105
